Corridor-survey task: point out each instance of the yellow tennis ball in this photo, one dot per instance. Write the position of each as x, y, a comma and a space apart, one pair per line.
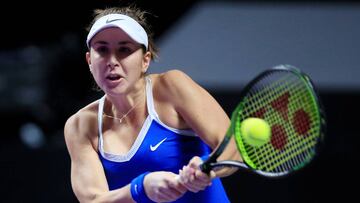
255, 131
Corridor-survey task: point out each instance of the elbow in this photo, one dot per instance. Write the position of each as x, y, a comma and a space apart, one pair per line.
91, 197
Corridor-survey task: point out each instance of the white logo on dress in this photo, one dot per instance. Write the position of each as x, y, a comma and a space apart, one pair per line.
153, 148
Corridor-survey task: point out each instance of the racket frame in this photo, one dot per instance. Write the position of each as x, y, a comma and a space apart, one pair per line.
212, 163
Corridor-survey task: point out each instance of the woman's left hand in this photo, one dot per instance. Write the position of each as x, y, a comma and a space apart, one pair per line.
193, 178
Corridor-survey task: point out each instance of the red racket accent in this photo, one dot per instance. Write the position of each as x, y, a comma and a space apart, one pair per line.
280, 104
301, 122
278, 137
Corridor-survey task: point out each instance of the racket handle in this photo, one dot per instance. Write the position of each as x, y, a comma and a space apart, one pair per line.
205, 168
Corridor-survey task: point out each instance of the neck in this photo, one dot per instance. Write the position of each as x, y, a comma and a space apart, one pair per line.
120, 105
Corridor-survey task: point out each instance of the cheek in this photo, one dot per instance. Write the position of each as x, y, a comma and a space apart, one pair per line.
97, 75
132, 67
133, 76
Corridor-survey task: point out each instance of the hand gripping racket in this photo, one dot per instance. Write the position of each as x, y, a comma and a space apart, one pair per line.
285, 98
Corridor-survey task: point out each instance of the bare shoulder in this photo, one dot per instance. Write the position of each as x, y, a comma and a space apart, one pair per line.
173, 78
82, 126
174, 83
194, 106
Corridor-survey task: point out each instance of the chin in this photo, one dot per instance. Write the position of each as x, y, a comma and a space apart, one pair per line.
116, 90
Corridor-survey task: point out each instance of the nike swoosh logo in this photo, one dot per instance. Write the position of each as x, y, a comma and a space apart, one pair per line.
110, 21
153, 148
136, 190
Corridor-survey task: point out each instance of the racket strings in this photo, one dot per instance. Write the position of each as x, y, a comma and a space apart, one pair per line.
285, 101
294, 154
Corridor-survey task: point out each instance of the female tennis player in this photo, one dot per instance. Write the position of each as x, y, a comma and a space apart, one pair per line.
132, 143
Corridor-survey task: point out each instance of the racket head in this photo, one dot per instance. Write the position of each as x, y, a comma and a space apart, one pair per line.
286, 99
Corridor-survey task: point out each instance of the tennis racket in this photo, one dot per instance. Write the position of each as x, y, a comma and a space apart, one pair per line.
285, 98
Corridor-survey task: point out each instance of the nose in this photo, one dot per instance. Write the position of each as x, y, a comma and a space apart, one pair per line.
113, 61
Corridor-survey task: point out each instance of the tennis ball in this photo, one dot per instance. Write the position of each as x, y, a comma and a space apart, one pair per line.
255, 131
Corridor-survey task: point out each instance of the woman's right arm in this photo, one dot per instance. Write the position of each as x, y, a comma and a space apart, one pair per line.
87, 175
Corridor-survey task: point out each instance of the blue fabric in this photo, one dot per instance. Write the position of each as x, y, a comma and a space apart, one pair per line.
205, 157
171, 155
138, 191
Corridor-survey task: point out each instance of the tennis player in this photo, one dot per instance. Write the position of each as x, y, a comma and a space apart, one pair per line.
129, 145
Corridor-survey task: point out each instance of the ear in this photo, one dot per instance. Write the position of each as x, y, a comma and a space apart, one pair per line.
87, 56
146, 61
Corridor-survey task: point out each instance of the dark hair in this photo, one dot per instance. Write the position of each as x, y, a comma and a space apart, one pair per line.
135, 13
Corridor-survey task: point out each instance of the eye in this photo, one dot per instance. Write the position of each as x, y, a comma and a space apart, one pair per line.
125, 49
102, 50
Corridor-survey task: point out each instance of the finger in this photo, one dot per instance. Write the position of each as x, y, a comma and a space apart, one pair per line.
212, 174
186, 173
184, 183
202, 177
199, 181
195, 185
181, 177
195, 162
187, 185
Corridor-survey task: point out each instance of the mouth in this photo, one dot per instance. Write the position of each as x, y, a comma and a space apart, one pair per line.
113, 77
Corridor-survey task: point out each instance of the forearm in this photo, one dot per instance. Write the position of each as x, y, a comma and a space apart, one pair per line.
230, 153
122, 195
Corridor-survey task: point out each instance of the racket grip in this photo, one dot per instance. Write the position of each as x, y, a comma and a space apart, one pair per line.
205, 166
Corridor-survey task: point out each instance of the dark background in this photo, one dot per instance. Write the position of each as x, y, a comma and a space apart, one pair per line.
44, 79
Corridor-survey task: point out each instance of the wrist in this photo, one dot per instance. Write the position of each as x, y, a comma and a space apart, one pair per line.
137, 189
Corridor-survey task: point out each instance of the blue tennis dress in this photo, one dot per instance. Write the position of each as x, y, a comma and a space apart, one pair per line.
157, 147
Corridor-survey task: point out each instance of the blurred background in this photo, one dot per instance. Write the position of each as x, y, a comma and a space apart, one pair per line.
221, 44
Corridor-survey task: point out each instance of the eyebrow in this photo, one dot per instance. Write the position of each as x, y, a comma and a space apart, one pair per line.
125, 42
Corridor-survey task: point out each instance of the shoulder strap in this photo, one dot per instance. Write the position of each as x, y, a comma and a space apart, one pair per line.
150, 100
100, 118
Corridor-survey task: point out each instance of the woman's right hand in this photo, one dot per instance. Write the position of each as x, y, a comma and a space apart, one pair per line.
163, 186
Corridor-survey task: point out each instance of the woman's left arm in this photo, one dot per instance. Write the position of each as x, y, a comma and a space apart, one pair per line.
201, 112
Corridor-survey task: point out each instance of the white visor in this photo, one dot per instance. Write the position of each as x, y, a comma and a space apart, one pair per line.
130, 26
